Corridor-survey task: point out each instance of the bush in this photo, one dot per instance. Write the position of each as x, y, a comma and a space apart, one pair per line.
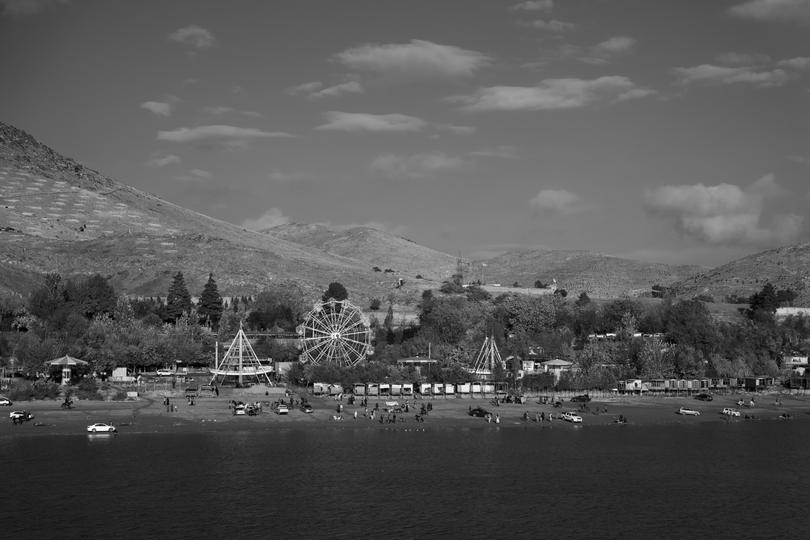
26, 391
120, 395
88, 389
374, 305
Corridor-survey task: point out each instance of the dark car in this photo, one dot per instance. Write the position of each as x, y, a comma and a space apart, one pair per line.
584, 398
704, 397
479, 412
306, 407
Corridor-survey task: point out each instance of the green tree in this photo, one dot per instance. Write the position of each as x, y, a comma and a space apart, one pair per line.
95, 296
178, 301
335, 290
210, 308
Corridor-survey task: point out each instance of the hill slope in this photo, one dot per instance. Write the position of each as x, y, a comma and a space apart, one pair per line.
601, 276
58, 216
371, 246
785, 267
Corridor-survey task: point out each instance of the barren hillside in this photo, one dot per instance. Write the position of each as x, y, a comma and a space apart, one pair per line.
785, 267
601, 276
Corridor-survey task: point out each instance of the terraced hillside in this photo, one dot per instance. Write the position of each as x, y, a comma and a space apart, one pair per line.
58, 216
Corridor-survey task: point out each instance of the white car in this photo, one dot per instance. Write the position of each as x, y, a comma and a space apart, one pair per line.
728, 411
165, 373
20, 415
282, 409
688, 412
101, 428
5, 402
572, 417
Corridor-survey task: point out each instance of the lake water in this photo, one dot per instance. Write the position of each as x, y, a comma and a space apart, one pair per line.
739, 480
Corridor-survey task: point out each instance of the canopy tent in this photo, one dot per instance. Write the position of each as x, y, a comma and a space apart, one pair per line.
66, 363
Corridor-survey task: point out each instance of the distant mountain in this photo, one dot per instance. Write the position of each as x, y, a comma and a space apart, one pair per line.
374, 247
785, 268
601, 276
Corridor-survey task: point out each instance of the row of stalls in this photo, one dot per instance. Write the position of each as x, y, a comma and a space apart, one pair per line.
409, 389
717, 384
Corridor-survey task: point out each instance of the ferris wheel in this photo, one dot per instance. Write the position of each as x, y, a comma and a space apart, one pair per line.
334, 332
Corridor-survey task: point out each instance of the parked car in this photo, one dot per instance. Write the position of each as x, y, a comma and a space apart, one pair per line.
571, 416
728, 411
101, 428
5, 402
480, 412
584, 398
306, 407
164, 373
23, 416
688, 412
282, 409
704, 397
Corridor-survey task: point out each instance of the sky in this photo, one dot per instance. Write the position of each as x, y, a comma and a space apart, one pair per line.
673, 131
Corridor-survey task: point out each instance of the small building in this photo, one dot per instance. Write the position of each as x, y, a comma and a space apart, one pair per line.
556, 367
373, 389
385, 389
407, 389
755, 384
396, 389
419, 364
463, 388
449, 389
424, 389
359, 389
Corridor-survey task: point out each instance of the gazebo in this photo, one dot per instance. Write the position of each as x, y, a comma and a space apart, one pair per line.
66, 363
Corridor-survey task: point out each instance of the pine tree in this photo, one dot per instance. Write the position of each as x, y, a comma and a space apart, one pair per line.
210, 308
178, 301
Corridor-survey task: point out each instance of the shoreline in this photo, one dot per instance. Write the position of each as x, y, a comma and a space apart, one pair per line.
149, 415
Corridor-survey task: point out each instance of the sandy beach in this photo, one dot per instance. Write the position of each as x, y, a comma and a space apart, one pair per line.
148, 414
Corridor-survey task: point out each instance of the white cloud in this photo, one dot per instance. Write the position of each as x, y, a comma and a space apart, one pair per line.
800, 63
742, 59
218, 110
504, 152
355, 122
804, 160
350, 87
552, 94
271, 218
458, 130
557, 201
711, 74
159, 108
604, 52
304, 88
200, 173
417, 59
725, 213
789, 11
216, 133
26, 7
416, 165
164, 161
193, 36
534, 5
550, 26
